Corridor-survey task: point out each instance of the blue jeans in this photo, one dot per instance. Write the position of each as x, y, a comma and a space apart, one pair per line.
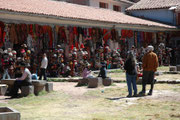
6, 74
131, 81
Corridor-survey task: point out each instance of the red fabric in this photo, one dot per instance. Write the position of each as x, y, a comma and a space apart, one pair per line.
31, 29
129, 33
1, 42
77, 47
123, 33
90, 31
148, 37
41, 30
37, 31
50, 37
1, 33
82, 46
4, 34
72, 47
107, 36
75, 30
140, 74
63, 34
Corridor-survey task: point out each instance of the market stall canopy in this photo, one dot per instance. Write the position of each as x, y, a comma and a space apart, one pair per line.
55, 12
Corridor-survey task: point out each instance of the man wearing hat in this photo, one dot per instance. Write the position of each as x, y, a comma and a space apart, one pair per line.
150, 64
25, 80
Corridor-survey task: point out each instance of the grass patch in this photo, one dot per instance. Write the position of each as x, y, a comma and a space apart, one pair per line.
57, 80
116, 71
163, 68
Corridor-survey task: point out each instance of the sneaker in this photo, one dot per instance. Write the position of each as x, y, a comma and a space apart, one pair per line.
128, 96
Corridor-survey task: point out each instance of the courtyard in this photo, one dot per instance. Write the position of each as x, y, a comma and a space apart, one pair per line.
68, 102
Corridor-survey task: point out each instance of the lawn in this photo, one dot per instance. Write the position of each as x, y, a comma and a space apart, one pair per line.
104, 103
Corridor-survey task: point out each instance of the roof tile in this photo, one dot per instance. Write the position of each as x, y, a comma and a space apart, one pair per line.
67, 10
154, 4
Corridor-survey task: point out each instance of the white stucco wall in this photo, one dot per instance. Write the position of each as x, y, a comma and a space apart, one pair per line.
95, 3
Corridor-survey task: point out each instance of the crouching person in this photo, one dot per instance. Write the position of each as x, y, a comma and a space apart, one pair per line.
86, 75
87, 72
25, 80
103, 71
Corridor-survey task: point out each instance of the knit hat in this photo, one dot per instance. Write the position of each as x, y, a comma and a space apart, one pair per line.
28, 51
10, 54
14, 52
9, 49
82, 46
22, 51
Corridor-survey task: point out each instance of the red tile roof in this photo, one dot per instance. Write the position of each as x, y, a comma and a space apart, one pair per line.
154, 4
73, 11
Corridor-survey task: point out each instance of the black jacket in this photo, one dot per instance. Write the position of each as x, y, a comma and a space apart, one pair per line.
130, 67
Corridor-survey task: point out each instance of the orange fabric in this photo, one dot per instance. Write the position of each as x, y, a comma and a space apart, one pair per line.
150, 62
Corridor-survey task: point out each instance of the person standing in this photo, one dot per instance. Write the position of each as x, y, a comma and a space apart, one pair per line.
44, 64
150, 64
131, 74
5, 62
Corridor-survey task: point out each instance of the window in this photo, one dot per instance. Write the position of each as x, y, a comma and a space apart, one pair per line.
103, 5
116, 8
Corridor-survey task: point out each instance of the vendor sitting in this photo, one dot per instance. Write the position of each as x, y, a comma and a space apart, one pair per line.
103, 71
25, 80
87, 72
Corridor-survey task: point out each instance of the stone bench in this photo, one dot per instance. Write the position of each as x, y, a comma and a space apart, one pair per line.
49, 87
3, 89
178, 67
82, 82
107, 81
27, 90
9, 83
172, 68
94, 82
39, 85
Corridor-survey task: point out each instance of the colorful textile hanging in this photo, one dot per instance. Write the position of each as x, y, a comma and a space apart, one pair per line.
126, 33
135, 38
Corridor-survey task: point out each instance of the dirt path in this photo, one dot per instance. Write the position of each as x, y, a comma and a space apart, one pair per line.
71, 89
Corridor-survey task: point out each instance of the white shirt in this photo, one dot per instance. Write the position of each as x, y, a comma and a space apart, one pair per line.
25, 74
44, 63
